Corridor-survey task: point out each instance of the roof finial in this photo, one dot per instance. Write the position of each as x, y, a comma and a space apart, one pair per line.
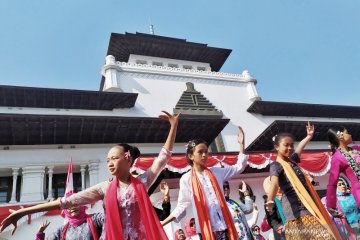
151, 28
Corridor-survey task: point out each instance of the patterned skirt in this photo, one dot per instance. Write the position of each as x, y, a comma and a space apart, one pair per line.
306, 227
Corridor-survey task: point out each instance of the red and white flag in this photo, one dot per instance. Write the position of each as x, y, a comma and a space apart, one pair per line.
69, 190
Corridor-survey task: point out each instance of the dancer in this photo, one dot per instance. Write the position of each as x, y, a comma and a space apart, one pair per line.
344, 160
306, 217
200, 188
135, 218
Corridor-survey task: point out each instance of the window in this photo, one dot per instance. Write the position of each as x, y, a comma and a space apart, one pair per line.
143, 62
6, 184
59, 184
187, 67
173, 65
157, 64
201, 68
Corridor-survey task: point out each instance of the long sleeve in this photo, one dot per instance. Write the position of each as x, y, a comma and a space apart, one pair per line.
239, 167
148, 177
332, 184
40, 236
252, 221
247, 208
264, 226
87, 196
184, 199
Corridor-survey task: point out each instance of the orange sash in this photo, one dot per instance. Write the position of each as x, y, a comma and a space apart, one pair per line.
202, 210
311, 201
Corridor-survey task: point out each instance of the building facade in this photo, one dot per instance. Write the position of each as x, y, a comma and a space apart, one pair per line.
41, 129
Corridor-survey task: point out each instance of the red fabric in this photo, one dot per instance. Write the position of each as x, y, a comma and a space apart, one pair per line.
315, 162
113, 228
201, 209
264, 226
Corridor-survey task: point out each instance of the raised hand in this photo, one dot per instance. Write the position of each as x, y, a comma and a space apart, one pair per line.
269, 205
164, 188
172, 119
243, 187
43, 226
310, 129
241, 136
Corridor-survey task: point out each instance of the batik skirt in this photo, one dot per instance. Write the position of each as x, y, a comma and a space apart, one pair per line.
306, 228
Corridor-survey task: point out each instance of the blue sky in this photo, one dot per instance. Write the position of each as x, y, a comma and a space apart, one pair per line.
299, 51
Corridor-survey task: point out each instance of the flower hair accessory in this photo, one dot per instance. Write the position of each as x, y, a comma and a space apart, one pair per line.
190, 145
273, 138
339, 134
128, 155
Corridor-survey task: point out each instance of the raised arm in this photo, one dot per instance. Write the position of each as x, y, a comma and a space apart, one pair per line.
173, 120
16, 215
310, 130
41, 235
165, 154
241, 140
248, 206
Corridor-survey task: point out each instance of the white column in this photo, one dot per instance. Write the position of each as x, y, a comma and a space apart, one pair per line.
109, 71
251, 89
94, 173
50, 172
33, 183
82, 170
15, 173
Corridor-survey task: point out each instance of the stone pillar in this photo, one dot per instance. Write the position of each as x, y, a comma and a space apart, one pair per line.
50, 172
82, 170
15, 173
94, 173
33, 183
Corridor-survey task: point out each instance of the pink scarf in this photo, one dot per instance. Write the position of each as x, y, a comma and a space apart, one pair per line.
89, 222
188, 230
113, 227
76, 220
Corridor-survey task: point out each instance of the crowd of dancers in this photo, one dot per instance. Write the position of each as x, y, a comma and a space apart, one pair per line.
292, 206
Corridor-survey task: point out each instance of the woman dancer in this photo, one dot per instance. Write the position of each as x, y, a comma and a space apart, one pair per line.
128, 210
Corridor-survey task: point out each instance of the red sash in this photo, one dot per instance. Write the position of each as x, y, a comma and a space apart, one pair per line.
113, 227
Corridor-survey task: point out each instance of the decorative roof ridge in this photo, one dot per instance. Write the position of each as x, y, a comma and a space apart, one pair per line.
244, 77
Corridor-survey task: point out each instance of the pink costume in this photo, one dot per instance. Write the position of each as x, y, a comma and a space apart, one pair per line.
133, 228
339, 164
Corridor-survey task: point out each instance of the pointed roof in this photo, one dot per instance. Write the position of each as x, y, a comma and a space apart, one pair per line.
122, 45
194, 104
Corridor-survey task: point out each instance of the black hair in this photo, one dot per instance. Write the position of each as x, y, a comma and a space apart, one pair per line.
277, 138
226, 185
265, 197
134, 151
190, 148
333, 137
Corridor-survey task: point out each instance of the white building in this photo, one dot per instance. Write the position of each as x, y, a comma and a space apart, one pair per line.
41, 129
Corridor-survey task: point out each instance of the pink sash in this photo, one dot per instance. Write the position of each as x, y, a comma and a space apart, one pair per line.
113, 227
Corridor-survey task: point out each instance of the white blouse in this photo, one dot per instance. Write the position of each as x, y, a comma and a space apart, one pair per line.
186, 197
